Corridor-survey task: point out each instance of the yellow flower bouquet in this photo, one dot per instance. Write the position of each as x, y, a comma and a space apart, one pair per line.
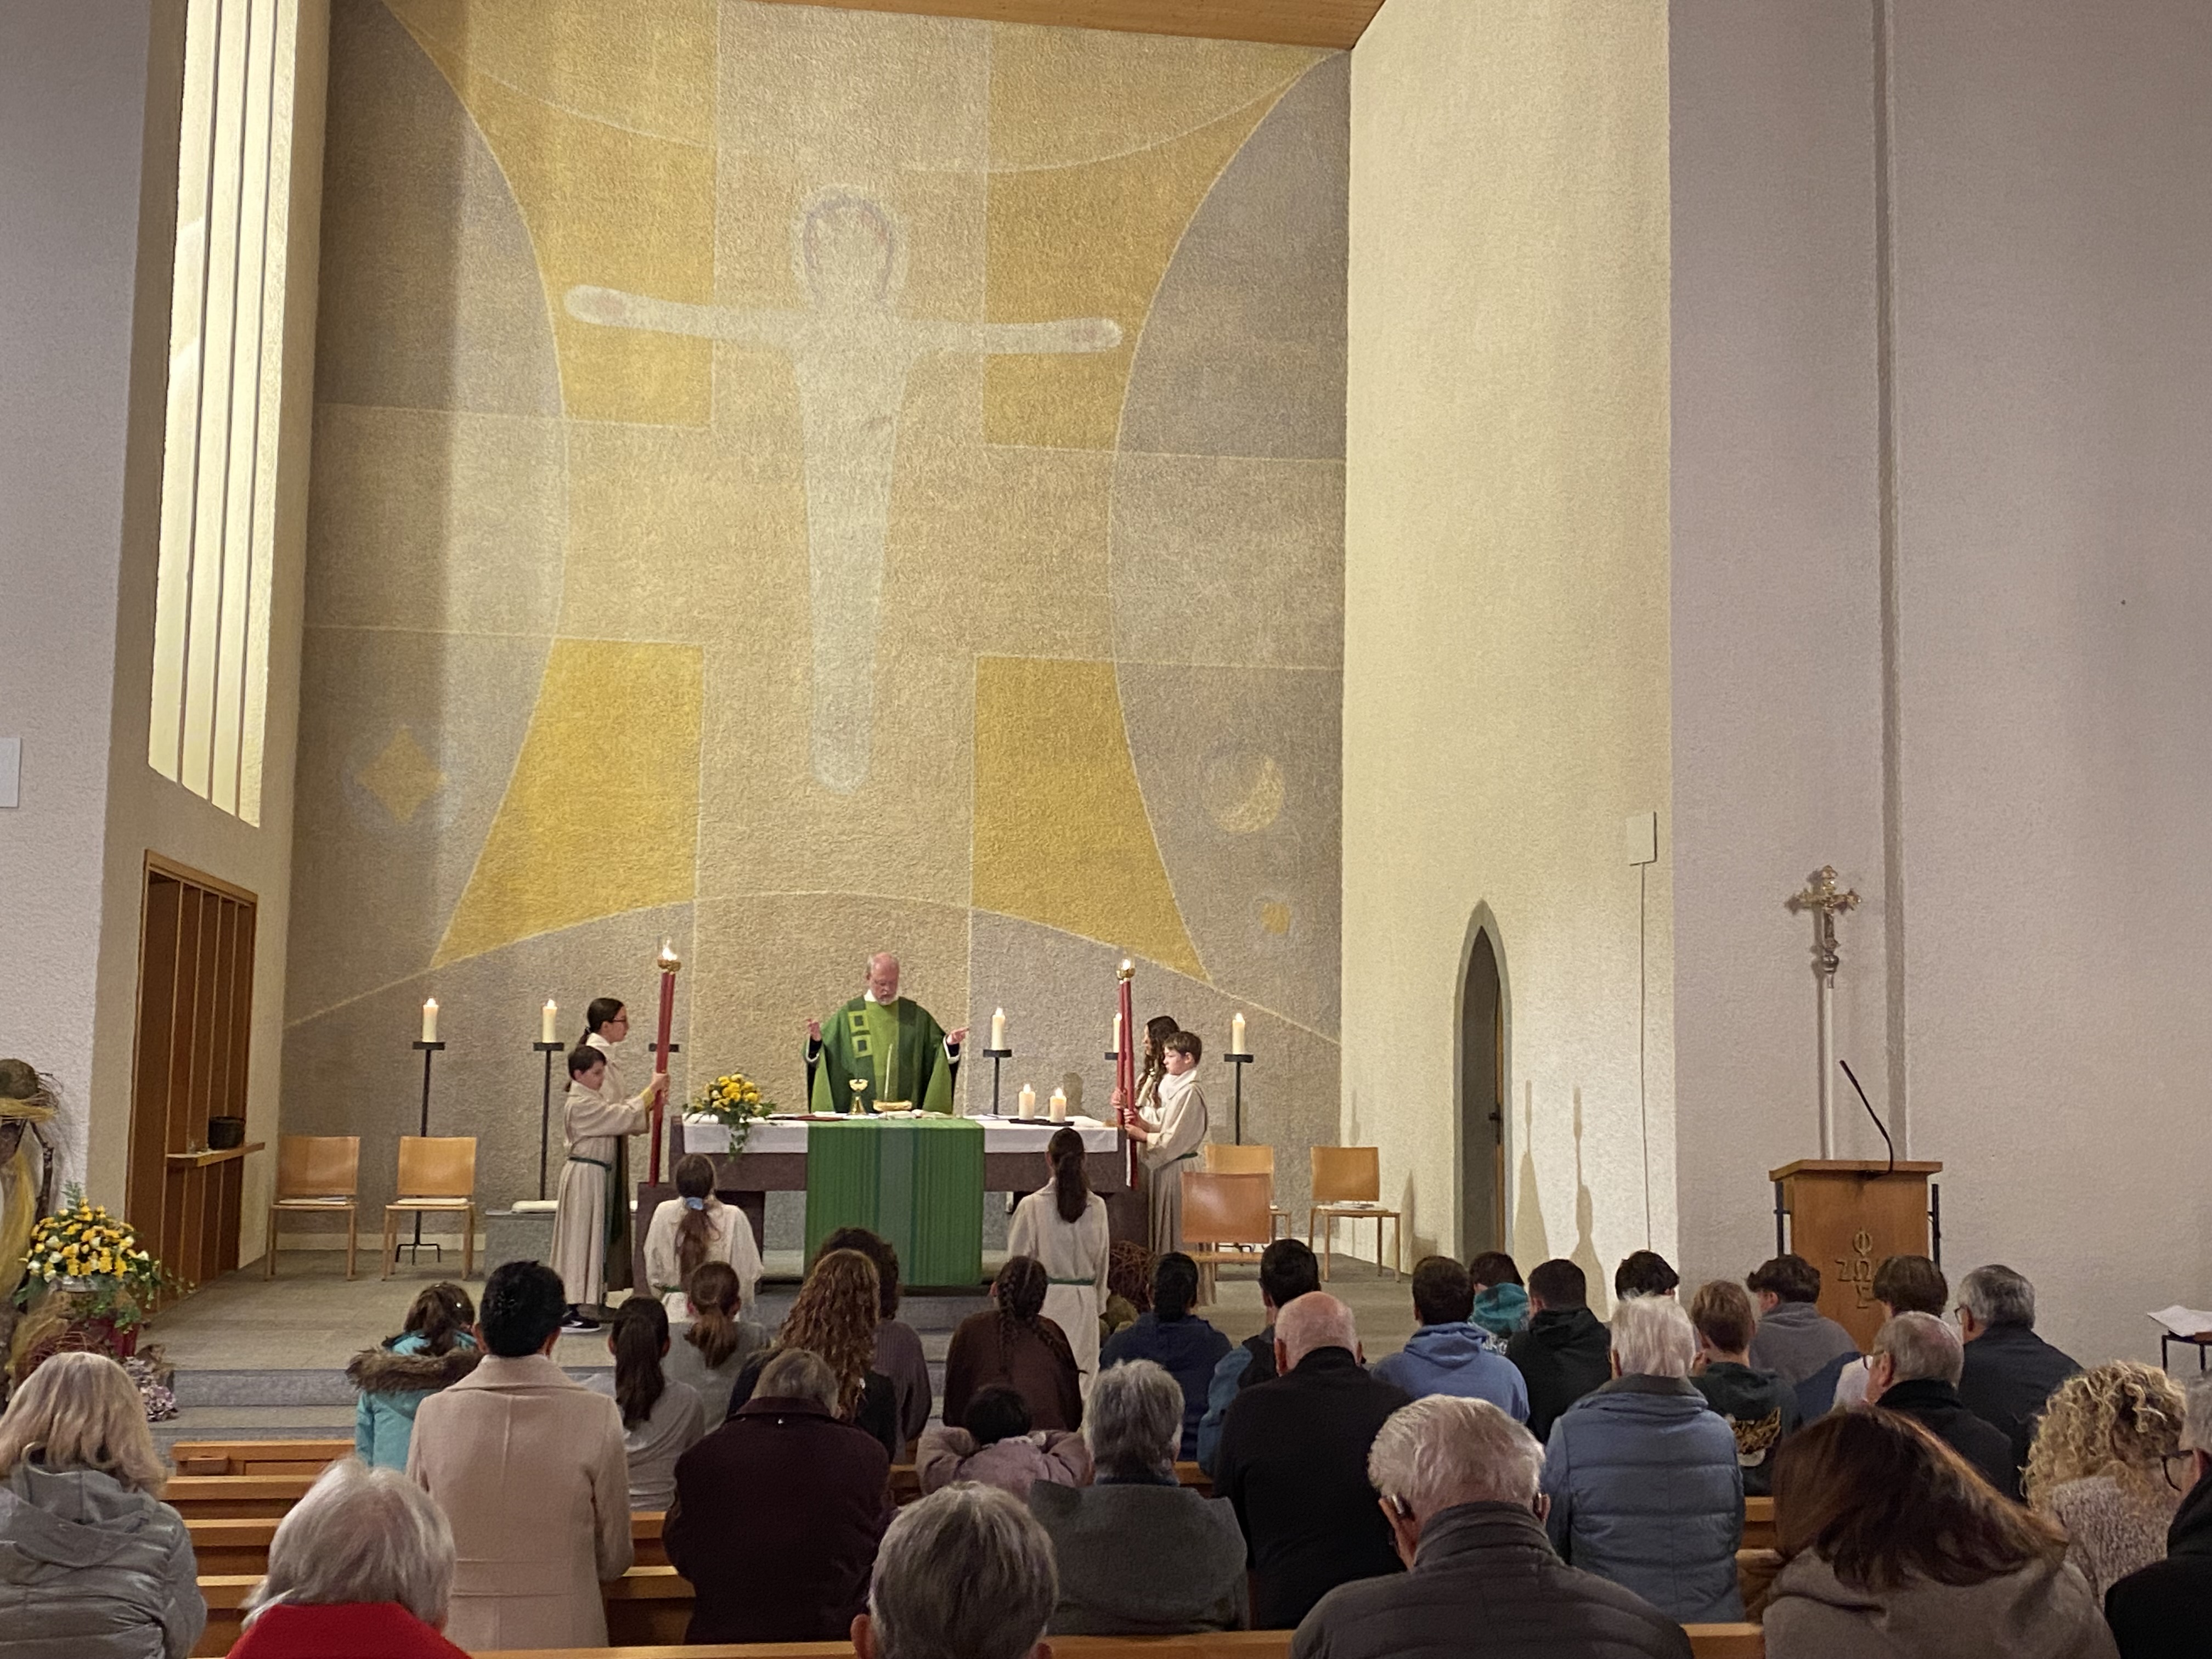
735, 1102
87, 1284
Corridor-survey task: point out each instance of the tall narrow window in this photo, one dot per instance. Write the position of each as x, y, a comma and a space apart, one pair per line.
226, 373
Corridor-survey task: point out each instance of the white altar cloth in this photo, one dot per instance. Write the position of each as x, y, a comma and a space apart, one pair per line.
1000, 1135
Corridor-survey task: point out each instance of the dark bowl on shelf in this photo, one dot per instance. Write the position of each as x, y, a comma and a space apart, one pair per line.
226, 1132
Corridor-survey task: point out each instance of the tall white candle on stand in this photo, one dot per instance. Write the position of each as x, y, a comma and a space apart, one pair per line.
1060, 1105
1236, 1036
551, 1022
999, 1029
1028, 1101
430, 1020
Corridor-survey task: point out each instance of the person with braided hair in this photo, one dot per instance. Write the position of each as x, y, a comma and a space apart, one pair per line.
834, 1317
1015, 1344
2104, 1465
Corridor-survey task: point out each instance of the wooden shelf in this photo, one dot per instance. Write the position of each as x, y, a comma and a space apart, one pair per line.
201, 1160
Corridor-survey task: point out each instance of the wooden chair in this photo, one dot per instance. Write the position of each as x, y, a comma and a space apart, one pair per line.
1225, 1211
1216, 1157
437, 1175
1347, 1186
316, 1174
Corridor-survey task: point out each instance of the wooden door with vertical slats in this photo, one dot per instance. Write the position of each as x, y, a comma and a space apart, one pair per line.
195, 1017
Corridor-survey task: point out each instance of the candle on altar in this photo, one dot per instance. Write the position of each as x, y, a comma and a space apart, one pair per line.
1116, 1049
551, 1022
430, 1020
999, 1029
1236, 1035
1060, 1105
1028, 1101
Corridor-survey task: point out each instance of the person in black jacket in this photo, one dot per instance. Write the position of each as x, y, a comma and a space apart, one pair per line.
1459, 1484
1288, 1270
1294, 1463
1915, 1373
1565, 1353
2165, 1610
2010, 1370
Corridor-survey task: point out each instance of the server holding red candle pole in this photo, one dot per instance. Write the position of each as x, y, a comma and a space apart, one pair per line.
590, 1219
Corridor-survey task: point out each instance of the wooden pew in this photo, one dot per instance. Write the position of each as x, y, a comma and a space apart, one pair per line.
235, 1497
649, 1608
308, 1457
1758, 1523
228, 1547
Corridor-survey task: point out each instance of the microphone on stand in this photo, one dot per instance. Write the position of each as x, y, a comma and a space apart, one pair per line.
1868, 1104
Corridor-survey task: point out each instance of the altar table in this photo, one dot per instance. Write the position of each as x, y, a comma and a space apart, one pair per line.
860, 1178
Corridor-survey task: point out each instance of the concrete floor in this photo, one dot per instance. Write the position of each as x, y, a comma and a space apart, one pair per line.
311, 1317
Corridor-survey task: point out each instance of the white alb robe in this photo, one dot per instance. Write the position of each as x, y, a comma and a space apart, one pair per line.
594, 1121
1074, 1254
1176, 1118
730, 1238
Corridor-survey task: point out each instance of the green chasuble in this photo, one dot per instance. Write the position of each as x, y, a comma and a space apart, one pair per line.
896, 1047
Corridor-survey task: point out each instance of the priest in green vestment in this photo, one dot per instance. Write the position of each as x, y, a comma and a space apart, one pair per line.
891, 1043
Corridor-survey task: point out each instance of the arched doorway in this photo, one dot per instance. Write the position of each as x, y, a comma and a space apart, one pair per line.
1482, 1098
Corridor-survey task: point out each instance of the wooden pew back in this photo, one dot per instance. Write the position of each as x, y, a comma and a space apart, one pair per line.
308, 1457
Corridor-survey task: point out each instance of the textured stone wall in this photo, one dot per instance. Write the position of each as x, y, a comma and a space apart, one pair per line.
807, 482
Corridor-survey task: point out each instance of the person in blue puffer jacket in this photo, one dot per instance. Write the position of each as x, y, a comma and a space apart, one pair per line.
1448, 1354
1643, 1476
435, 1350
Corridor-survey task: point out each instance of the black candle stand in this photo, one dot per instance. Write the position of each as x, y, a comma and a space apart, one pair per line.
416, 1244
998, 1057
1240, 1061
545, 1112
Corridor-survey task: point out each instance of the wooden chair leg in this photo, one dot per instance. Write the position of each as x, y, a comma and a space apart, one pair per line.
269, 1255
468, 1241
391, 1244
353, 1234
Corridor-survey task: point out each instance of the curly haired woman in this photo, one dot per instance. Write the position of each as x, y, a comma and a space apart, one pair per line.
2100, 1467
834, 1317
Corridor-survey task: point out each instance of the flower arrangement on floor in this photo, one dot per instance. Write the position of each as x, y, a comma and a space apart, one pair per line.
86, 1284
736, 1102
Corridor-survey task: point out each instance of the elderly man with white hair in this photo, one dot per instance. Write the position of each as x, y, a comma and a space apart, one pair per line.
966, 1573
1140, 1554
1294, 1463
1643, 1476
1914, 1371
1459, 1484
2165, 1610
363, 1564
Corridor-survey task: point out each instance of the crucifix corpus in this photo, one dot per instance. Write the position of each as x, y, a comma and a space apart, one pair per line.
1826, 901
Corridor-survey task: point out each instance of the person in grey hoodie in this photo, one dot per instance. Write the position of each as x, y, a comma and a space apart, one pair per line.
1139, 1555
93, 1564
1449, 1354
1794, 1338
1894, 1548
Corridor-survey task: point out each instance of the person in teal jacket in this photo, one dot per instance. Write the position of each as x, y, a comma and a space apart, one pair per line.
434, 1351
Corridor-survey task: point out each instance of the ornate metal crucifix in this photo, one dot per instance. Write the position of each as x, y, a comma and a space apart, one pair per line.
1826, 902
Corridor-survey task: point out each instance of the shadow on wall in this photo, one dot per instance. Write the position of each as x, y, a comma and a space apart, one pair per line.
1584, 1254
1530, 1243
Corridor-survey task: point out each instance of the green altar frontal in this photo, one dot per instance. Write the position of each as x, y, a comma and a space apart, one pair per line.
917, 1182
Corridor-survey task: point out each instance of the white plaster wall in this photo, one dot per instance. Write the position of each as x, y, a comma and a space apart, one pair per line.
72, 107
2054, 304
1506, 648
1776, 581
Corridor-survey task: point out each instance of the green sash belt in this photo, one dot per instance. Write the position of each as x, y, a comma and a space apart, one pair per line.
1071, 1281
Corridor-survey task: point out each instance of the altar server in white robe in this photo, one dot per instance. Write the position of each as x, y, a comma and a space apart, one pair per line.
696, 1227
1063, 1225
591, 1217
1171, 1129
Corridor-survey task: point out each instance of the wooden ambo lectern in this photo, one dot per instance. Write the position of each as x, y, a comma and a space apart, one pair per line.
1845, 1215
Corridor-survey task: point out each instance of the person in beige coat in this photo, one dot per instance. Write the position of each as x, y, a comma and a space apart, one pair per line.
530, 1469
592, 1215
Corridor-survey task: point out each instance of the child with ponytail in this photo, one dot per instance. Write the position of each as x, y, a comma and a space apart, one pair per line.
710, 1351
1063, 1225
694, 1228
661, 1419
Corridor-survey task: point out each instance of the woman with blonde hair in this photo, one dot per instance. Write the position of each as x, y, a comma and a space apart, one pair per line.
2101, 1466
92, 1562
834, 1318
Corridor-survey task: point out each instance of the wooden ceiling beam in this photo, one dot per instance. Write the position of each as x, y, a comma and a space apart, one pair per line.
1336, 23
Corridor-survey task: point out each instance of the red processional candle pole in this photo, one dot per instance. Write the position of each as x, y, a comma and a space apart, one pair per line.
1125, 1061
669, 967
